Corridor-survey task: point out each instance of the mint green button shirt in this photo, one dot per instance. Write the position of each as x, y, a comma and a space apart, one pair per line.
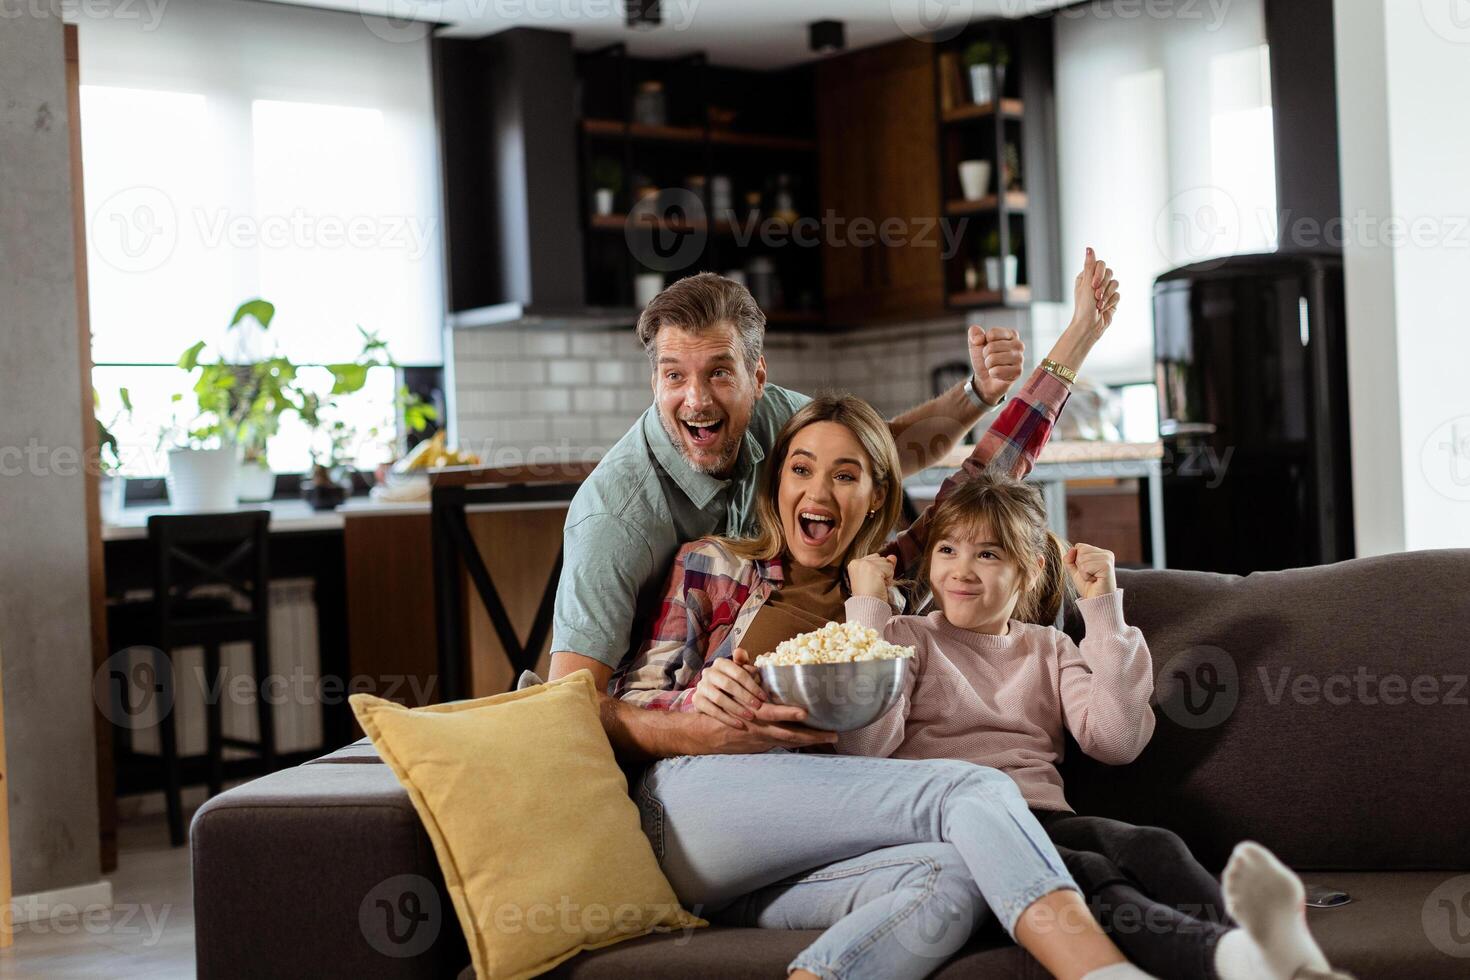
641, 503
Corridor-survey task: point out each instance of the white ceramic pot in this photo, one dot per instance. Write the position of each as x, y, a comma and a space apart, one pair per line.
202, 479
254, 482
974, 178
602, 200
984, 85
993, 272
646, 285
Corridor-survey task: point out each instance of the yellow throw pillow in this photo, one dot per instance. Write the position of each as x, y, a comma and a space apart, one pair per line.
541, 848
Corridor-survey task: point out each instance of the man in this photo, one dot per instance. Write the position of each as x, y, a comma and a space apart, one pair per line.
688, 468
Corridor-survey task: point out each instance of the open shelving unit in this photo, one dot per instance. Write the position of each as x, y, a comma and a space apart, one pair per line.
753, 128
1012, 132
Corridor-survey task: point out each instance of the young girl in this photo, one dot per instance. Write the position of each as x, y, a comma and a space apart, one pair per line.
991, 686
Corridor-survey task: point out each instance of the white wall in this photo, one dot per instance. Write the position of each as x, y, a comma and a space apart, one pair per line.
1164, 147
1403, 87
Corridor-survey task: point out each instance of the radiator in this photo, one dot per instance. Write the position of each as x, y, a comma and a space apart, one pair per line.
295, 668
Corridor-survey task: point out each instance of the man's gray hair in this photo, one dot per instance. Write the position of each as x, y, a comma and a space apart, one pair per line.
696, 303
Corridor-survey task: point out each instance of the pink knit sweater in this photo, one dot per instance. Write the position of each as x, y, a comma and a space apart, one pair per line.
1002, 701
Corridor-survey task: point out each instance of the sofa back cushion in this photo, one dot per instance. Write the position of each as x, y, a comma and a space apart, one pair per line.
1322, 711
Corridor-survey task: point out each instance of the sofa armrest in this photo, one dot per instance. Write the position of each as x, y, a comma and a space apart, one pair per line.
323, 870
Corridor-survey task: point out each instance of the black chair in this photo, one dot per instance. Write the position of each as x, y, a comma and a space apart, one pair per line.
210, 587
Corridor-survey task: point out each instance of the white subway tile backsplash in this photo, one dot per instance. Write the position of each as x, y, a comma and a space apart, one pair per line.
574, 428
545, 400
579, 391
591, 401
551, 343
564, 372
610, 372
486, 343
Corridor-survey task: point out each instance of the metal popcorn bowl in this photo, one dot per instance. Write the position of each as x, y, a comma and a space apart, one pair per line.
838, 697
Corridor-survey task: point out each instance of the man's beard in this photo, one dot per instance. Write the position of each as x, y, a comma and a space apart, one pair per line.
717, 469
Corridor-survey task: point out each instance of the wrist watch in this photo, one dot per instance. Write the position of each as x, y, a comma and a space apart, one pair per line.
974, 396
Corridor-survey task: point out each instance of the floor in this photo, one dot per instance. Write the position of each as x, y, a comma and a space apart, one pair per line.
149, 932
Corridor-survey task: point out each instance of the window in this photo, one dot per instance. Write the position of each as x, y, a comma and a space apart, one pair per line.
1178, 166
236, 150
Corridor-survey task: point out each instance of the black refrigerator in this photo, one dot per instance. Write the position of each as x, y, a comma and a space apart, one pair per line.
1253, 413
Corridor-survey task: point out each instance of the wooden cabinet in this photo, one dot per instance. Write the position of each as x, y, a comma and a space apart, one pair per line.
879, 177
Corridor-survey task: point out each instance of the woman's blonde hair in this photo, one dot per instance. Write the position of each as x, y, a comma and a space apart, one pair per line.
871, 430
1014, 516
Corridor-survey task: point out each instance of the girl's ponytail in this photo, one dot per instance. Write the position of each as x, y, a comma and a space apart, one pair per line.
1042, 603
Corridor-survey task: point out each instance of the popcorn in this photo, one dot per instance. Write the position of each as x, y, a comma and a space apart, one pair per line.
835, 643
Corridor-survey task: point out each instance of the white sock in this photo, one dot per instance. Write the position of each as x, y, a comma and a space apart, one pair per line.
1268, 900
1118, 971
1237, 957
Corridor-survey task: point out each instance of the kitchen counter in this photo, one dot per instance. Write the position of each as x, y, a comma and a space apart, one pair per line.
288, 516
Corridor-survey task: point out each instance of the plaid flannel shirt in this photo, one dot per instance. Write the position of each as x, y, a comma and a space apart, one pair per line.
712, 596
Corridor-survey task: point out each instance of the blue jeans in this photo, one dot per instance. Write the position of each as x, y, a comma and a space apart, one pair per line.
898, 859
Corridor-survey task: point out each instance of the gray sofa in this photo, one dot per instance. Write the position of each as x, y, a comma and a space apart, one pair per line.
1321, 711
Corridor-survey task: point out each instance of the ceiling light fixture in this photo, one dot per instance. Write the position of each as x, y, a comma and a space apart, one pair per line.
827, 36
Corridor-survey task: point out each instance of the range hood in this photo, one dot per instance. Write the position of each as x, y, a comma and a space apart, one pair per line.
507, 124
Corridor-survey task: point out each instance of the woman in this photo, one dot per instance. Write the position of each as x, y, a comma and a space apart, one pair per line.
897, 859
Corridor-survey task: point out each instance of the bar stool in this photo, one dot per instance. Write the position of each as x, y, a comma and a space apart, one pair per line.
226, 556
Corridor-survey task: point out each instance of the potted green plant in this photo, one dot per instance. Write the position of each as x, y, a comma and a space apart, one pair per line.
245, 393
329, 483
607, 180
987, 62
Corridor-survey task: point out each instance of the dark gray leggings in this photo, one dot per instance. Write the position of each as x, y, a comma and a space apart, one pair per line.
1153, 899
